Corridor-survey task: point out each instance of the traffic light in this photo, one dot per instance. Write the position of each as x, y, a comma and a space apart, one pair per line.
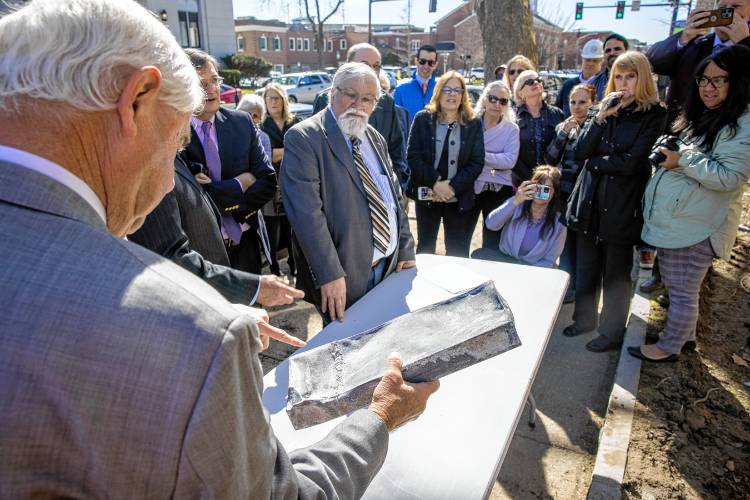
579, 11
620, 10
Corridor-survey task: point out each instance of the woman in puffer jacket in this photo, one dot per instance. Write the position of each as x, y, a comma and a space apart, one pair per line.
693, 202
605, 206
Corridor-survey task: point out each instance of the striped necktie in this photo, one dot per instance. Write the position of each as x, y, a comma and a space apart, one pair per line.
378, 213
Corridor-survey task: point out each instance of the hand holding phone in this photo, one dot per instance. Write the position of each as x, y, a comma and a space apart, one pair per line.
719, 17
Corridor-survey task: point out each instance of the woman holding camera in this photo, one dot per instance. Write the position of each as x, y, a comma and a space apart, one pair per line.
605, 206
278, 120
531, 232
446, 155
536, 123
560, 152
494, 186
692, 205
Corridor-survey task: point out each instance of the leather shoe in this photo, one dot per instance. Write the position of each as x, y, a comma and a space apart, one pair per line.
653, 338
572, 331
603, 344
651, 285
636, 352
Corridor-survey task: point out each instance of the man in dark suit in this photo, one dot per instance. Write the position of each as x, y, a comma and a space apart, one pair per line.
342, 198
384, 117
239, 178
186, 228
679, 55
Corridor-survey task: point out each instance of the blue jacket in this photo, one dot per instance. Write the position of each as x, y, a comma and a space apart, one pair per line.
410, 96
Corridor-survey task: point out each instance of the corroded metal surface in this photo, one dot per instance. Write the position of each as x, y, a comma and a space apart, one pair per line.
338, 378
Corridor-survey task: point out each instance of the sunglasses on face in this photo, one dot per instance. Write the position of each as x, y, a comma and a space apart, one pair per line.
494, 100
531, 81
716, 82
515, 71
428, 62
453, 90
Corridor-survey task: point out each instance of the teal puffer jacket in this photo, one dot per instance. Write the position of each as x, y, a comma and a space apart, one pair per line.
702, 197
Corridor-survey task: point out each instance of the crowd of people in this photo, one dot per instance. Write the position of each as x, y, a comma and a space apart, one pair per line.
164, 369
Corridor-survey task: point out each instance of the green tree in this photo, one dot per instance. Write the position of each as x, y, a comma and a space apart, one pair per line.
248, 66
391, 59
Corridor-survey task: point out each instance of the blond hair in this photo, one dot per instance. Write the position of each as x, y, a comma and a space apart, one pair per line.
646, 94
520, 60
286, 115
465, 112
518, 86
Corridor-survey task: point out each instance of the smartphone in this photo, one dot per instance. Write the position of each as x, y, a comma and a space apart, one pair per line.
612, 103
719, 17
424, 194
542, 192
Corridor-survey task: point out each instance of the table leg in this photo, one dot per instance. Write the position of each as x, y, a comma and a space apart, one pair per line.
532, 410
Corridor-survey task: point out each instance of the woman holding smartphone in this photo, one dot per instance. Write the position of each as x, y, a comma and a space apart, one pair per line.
446, 155
531, 232
605, 206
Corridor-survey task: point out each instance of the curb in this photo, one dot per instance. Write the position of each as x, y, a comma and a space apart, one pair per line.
612, 455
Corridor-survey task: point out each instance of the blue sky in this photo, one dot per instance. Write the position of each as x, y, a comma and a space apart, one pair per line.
650, 24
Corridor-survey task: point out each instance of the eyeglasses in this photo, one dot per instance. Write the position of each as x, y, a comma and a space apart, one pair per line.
216, 82
516, 71
376, 67
428, 62
494, 100
716, 82
453, 90
531, 81
367, 100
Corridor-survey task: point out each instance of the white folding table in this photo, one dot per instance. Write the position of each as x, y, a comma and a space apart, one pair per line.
454, 450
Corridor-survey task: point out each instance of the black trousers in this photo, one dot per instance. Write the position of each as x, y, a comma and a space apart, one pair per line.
455, 225
247, 255
603, 266
568, 258
486, 202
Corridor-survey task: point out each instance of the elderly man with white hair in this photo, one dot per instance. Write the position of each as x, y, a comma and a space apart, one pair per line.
342, 198
121, 374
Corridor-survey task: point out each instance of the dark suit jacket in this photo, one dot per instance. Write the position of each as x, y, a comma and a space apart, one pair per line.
240, 151
327, 207
185, 227
421, 154
384, 119
679, 65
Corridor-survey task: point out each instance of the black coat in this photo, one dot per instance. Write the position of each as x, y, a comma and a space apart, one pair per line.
421, 158
679, 64
527, 160
606, 200
186, 228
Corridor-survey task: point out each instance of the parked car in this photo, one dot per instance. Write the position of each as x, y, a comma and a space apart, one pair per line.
303, 87
553, 82
301, 111
229, 94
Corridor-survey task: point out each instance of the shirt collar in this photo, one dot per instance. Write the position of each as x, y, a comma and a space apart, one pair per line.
56, 173
197, 122
718, 42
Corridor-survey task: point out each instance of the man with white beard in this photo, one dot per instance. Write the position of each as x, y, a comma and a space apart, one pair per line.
342, 198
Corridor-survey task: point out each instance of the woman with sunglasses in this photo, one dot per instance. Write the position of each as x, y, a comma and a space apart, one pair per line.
693, 202
536, 123
560, 152
605, 206
494, 186
446, 155
515, 66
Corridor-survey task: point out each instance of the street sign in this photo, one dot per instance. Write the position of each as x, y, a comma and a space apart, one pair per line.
635, 5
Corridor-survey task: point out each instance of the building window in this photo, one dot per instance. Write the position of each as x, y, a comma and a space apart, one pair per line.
263, 42
306, 44
276, 43
414, 45
291, 44
299, 44
278, 68
329, 45
342, 44
190, 33
240, 43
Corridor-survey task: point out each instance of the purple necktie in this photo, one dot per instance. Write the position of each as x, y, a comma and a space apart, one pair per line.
231, 227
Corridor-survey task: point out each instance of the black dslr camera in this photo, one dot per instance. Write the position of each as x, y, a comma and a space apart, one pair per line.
670, 142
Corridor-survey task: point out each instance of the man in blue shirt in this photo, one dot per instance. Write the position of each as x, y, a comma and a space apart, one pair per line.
416, 94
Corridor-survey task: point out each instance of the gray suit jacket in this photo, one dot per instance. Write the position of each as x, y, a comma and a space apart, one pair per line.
327, 208
186, 228
124, 376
